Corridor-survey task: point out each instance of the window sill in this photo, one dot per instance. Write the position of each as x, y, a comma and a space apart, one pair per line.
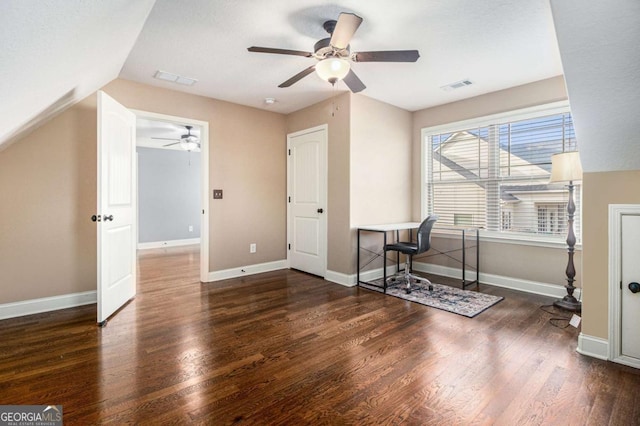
493, 237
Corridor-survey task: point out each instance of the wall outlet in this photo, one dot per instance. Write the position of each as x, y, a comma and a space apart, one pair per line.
190, 228
252, 248
217, 194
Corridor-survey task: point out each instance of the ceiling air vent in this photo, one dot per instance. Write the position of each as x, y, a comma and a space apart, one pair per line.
457, 85
174, 78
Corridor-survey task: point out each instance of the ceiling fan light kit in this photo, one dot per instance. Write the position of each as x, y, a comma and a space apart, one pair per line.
333, 54
333, 69
189, 143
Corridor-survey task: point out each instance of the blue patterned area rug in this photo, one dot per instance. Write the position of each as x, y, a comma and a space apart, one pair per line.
462, 302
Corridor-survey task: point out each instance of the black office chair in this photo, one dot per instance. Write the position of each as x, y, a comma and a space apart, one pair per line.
410, 249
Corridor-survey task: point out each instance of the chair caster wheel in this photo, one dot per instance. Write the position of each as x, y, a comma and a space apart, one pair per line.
430, 287
408, 291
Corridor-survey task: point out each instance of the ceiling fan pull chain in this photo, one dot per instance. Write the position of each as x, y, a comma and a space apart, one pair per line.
333, 100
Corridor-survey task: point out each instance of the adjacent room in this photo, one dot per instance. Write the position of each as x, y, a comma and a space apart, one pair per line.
218, 212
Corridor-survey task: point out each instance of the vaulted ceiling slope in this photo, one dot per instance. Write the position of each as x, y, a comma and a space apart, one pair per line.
56, 52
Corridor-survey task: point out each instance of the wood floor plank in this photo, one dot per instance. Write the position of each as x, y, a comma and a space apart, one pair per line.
286, 347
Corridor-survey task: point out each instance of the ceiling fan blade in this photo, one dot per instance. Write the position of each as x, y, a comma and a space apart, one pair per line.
387, 56
166, 139
346, 26
298, 76
171, 144
354, 83
279, 51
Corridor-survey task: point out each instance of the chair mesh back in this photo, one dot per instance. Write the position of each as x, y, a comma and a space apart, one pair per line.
424, 233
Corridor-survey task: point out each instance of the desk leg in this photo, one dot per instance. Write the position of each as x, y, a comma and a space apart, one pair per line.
464, 261
358, 255
397, 253
478, 259
384, 262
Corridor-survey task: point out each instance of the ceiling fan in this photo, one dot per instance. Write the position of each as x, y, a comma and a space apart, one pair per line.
188, 142
334, 54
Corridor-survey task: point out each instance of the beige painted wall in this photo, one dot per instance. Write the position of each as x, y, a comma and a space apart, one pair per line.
47, 196
380, 172
334, 112
246, 160
48, 181
600, 190
546, 265
368, 140
380, 162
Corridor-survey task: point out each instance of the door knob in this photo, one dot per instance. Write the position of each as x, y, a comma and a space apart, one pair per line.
96, 218
320, 211
634, 287
110, 217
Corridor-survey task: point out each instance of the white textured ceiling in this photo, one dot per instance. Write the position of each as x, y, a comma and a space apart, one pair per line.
55, 52
495, 43
600, 43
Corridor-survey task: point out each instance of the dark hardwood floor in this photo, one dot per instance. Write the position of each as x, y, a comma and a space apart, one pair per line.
288, 348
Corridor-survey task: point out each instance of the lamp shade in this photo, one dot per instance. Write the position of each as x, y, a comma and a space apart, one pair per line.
332, 69
566, 167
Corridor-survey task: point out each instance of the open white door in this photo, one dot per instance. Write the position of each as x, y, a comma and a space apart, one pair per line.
630, 297
116, 206
307, 212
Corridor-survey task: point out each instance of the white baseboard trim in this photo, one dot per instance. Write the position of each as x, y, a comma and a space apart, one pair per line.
350, 280
171, 243
46, 304
594, 347
340, 278
242, 271
519, 284
544, 289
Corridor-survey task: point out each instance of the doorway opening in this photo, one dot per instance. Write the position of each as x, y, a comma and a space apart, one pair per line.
173, 210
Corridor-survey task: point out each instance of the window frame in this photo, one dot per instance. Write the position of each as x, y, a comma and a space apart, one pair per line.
552, 108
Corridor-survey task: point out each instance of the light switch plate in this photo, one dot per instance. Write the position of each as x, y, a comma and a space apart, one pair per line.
217, 194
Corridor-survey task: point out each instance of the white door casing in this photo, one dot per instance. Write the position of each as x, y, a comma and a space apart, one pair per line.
204, 180
116, 196
307, 200
624, 267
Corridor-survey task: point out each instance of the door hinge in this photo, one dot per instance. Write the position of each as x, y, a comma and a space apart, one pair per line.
202, 211
289, 199
289, 152
289, 246
620, 285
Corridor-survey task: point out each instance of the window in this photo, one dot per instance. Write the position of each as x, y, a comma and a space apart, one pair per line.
462, 219
493, 173
552, 219
505, 220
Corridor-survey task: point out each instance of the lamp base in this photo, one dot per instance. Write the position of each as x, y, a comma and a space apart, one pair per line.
568, 303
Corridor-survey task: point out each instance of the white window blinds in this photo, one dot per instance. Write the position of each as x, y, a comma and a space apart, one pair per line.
495, 176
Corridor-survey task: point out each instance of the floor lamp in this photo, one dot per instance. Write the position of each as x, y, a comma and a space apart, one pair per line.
566, 167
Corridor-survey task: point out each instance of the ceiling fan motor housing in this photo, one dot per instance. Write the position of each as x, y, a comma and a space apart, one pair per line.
323, 49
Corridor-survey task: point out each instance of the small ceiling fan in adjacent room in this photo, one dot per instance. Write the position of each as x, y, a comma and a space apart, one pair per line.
334, 54
188, 142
